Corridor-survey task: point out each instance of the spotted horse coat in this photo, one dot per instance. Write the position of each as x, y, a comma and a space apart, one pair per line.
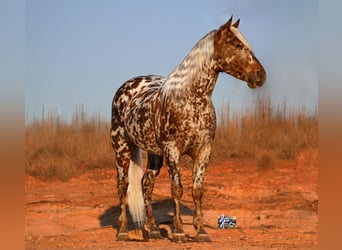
172, 116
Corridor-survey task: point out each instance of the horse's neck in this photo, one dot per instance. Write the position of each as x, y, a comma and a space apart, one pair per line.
195, 74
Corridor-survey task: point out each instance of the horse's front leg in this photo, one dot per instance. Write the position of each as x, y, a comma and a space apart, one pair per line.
172, 157
154, 164
200, 164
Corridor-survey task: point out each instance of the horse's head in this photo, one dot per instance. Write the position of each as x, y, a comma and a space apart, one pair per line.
234, 55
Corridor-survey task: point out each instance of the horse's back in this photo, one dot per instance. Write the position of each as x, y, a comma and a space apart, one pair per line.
130, 89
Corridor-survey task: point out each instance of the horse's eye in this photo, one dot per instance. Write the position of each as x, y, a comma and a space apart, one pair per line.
238, 46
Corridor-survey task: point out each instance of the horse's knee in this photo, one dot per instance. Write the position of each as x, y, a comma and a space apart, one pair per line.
177, 190
197, 192
176, 183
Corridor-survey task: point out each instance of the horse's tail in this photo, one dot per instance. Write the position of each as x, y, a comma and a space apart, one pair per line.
134, 191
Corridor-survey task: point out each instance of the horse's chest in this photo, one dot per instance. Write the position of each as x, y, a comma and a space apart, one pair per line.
188, 124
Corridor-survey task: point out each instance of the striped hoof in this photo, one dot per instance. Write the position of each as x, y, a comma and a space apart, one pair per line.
202, 237
123, 237
179, 238
155, 235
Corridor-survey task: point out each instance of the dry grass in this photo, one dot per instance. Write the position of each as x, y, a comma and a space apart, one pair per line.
265, 134
55, 149
58, 150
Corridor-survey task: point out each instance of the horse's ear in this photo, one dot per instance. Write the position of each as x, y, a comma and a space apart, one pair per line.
236, 24
229, 23
226, 26
223, 31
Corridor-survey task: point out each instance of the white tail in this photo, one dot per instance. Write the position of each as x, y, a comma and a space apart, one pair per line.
134, 191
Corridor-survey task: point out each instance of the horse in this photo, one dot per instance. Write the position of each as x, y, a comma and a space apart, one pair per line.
172, 116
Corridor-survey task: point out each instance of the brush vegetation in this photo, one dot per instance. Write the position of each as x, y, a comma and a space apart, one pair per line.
55, 149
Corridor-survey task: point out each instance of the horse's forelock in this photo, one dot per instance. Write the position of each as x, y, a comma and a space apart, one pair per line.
239, 35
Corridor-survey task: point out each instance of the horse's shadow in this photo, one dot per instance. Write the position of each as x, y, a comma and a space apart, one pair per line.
162, 211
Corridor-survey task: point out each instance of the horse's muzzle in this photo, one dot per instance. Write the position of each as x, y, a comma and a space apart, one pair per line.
256, 78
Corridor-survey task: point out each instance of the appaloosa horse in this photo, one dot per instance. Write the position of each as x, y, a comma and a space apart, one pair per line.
172, 116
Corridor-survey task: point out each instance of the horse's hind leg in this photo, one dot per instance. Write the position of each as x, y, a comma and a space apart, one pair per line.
122, 153
154, 163
199, 168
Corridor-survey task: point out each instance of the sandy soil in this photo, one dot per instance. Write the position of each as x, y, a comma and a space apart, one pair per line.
276, 208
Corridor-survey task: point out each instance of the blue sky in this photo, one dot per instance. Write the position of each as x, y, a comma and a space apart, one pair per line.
81, 51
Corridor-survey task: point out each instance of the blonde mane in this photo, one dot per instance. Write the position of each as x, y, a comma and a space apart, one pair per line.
186, 71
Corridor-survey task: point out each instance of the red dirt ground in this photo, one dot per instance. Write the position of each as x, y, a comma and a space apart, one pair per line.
275, 207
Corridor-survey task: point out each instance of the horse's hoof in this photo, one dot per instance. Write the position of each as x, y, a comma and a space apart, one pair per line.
155, 235
202, 237
123, 237
179, 238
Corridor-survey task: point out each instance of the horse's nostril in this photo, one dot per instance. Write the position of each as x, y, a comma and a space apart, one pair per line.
261, 75
256, 78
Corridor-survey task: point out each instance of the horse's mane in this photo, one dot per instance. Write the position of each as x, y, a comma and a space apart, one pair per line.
190, 67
